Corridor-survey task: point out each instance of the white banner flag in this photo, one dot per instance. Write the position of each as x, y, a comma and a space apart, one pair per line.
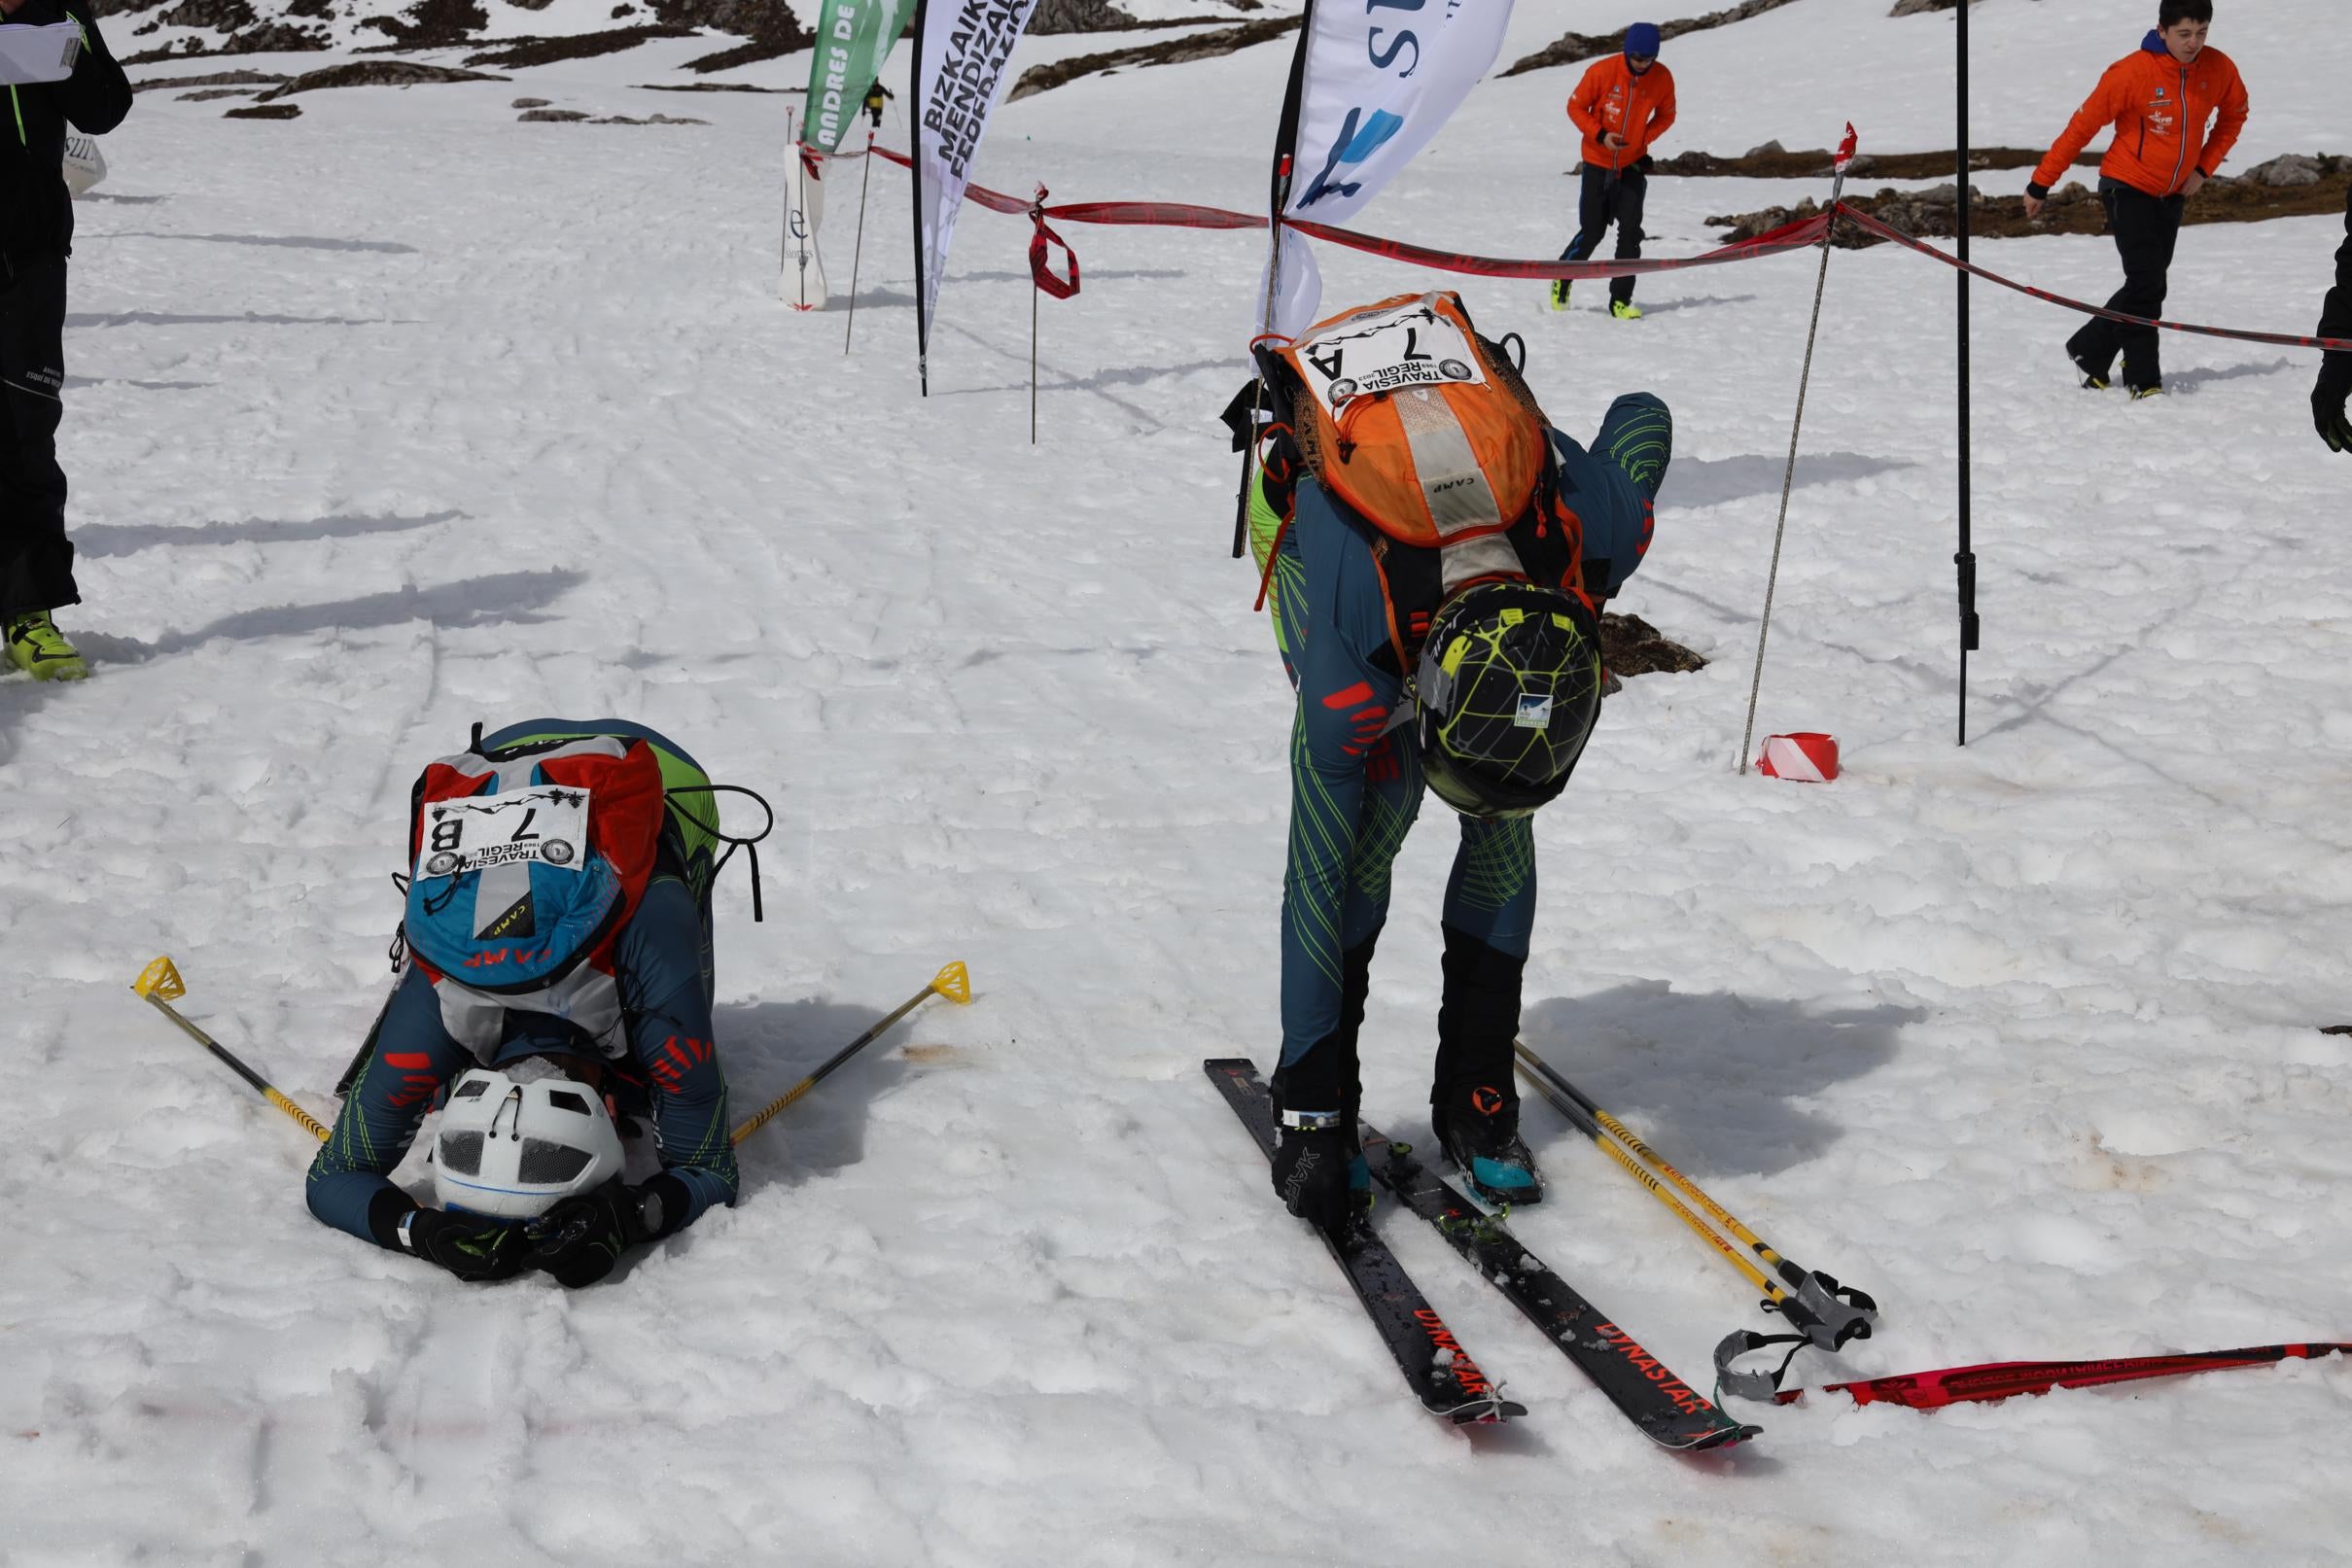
1377, 83
962, 46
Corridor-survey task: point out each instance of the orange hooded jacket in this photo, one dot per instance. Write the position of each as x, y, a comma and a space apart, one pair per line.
1612, 99
2159, 109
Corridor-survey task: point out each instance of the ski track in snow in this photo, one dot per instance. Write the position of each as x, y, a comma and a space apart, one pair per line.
405, 415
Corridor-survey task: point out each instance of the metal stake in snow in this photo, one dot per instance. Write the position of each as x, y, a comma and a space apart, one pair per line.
1788, 480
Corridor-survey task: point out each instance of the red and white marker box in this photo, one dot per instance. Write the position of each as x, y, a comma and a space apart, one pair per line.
1809, 757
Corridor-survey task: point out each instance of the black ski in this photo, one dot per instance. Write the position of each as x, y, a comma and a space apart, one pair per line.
1444, 1377
1668, 1412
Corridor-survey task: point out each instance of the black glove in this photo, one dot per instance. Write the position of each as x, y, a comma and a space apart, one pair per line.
1310, 1178
2327, 413
581, 1238
475, 1250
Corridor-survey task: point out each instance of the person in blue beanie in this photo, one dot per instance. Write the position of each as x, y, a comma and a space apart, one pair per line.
1623, 105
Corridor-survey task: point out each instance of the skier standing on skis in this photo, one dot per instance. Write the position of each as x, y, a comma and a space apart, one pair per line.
2177, 108
2334, 385
1623, 105
36, 236
557, 966
1440, 626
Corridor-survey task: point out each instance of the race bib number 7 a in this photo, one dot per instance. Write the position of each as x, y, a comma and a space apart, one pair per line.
1408, 346
547, 825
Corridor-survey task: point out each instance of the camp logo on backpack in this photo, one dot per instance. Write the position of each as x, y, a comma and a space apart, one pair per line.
1407, 414
528, 861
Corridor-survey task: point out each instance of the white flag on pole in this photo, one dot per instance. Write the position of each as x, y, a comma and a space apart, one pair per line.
1377, 83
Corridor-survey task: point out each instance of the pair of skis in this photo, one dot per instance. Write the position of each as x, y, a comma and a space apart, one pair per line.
1448, 1383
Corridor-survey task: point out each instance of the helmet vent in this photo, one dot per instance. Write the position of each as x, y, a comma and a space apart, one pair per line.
563, 1100
462, 1152
544, 1163
472, 1089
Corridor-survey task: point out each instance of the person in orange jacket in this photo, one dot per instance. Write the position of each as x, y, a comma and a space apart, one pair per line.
2159, 98
1624, 104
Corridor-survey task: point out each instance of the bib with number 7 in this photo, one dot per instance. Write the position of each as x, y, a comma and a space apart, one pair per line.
524, 867
1403, 411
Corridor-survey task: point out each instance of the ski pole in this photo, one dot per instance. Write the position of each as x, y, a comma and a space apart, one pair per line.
1825, 1313
858, 252
160, 984
2000, 1380
1584, 1122
1788, 480
954, 982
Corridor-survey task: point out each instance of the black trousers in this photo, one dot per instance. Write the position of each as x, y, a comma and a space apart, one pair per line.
1611, 196
36, 562
2145, 228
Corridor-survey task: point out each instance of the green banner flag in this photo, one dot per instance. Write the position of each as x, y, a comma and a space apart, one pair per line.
854, 37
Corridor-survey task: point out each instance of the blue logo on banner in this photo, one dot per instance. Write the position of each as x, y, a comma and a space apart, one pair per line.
1354, 146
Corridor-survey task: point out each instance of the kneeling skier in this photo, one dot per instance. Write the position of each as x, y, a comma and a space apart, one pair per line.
1436, 555
557, 968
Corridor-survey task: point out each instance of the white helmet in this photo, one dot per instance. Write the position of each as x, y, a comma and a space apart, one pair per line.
514, 1141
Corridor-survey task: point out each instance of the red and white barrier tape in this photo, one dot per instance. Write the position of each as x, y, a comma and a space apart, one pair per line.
1801, 234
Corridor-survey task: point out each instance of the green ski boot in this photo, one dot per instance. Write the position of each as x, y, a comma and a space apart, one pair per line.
36, 646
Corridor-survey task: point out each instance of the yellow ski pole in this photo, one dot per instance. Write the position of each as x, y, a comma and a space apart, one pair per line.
1590, 1129
160, 984
1831, 1313
953, 982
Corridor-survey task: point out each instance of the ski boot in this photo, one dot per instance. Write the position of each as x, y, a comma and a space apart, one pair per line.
1479, 1131
1625, 310
2094, 379
36, 646
2154, 389
1559, 294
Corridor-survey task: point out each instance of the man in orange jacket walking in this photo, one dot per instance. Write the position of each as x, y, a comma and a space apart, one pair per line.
2161, 100
1624, 104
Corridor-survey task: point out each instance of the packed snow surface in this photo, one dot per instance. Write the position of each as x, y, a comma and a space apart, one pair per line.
403, 415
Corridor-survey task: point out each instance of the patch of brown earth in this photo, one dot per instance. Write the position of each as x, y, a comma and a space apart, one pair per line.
2289, 187
1631, 645
375, 74
1173, 52
515, 53
1573, 48
214, 78
266, 110
1771, 162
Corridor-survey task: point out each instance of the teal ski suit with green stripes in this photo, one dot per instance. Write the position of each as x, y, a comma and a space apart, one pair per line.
1355, 785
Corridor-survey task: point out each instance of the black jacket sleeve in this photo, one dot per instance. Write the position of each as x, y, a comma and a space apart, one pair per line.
97, 95
2336, 316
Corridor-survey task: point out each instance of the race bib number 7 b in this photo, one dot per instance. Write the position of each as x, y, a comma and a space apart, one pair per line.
1408, 346
545, 826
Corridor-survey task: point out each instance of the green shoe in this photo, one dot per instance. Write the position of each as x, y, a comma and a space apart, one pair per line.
1559, 294
36, 646
1625, 310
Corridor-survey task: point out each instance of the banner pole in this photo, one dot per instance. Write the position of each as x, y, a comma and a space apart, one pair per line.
857, 253
1286, 143
1033, 291
1964, 560
914, 147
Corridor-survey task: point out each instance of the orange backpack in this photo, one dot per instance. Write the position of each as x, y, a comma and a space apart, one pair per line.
1421, 426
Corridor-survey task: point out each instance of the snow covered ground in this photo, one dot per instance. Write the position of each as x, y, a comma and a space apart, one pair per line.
403, 415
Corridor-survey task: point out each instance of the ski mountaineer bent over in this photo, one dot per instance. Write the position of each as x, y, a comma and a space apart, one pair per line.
2159, 98
1622, 105
1435, 554
557, 966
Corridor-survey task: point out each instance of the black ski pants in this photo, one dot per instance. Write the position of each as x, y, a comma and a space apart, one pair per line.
2145, 230
1611, 196
36, 562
